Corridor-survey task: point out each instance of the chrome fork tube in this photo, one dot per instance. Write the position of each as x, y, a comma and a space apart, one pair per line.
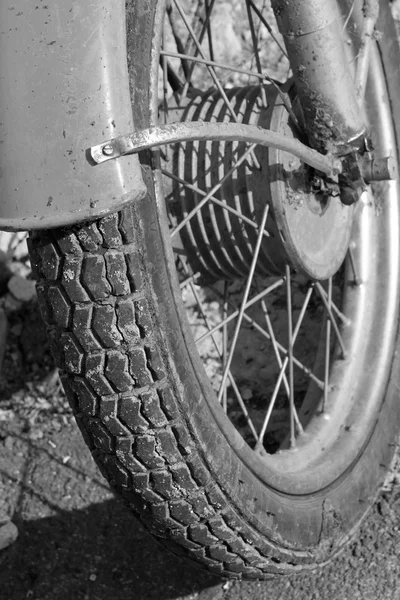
313, 36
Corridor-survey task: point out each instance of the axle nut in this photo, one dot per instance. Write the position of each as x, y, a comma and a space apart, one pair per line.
378, 169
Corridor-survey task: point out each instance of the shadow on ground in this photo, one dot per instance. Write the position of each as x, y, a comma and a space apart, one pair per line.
100, 552
76, 540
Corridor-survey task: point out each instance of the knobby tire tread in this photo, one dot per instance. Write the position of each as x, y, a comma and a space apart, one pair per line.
94, 299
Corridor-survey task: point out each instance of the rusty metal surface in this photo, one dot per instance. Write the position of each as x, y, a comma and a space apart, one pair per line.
64, 85
313, 34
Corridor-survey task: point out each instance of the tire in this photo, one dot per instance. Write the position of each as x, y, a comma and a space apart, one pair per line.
109, 294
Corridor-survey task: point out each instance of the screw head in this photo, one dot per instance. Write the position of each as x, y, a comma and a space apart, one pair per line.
108, 150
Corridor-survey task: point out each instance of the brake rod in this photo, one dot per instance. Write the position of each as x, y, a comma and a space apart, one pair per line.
206, 131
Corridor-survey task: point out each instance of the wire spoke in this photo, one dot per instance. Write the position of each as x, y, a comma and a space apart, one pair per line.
345, 320
332, 318
221, 203
245, 297
276, 349
289, 356
200, 51
264, 77
345, 24
188, 280
327, 346
212, 73
260, 444
233, 315
273, 341
211, 193
282, 95
165, 89
177, 38
284, 352
206, 27
197, 25
222, 356
225, 339
230, 376
213, 63
267, 26
256, 50
278, 356
265, 334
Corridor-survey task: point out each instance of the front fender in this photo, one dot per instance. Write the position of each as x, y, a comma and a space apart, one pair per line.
63, 88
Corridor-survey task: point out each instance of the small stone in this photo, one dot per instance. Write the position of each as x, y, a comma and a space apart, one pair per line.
246, 393
9, 442
4, 519
16, 329
36, 434
6, 415
11, 304
22, 289
93, 577
8, 534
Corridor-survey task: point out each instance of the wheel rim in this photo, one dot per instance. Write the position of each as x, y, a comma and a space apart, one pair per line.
364, 322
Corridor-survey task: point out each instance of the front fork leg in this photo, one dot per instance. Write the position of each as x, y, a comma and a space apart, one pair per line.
313, 34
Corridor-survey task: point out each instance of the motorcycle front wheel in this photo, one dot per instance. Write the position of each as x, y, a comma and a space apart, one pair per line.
244, 404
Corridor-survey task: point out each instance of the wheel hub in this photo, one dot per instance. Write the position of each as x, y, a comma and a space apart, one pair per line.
314, 226
308, 229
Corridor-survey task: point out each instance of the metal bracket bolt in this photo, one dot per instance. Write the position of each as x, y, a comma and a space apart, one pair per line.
108, 150
359, 171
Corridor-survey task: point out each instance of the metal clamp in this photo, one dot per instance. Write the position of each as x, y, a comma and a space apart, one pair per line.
200, 130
